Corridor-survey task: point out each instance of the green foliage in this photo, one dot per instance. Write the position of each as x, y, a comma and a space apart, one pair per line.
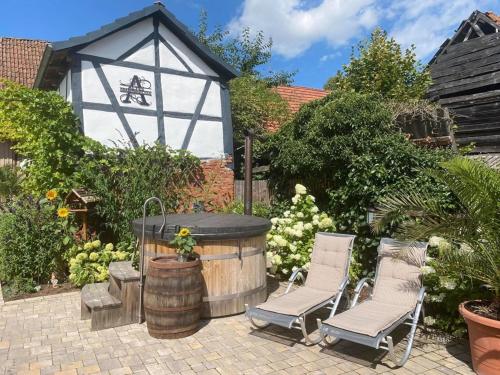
472, 227
291, 239
245, 52
10, 182
254, 106
88, 263
183, 242
348, 151
379, 65
45, 132
259, 209
124, 178
33, 240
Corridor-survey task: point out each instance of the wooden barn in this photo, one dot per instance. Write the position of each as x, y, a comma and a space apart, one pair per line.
466, 80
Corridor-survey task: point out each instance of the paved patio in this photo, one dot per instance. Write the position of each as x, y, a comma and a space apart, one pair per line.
45, 335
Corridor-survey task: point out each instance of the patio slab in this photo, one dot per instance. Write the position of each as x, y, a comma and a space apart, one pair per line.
44, 335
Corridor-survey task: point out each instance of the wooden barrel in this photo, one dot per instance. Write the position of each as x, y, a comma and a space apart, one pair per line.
172, 297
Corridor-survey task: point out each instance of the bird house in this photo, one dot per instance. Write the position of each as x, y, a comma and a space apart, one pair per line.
81, 202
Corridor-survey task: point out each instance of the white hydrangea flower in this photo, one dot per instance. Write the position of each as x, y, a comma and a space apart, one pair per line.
316, 217
447, 283
286, 213
284, 270
298, 233
300, 189
437, 298
312, 198
308, 226
434, 241
280, 241
325, 223
300, 214
277, 260
306, 266
271, 244
295, 198
269, 236
314, 209
292, 247
274, 220
429, 320
427, 270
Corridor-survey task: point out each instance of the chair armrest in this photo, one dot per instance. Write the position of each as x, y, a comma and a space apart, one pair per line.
292, 278
343, 284
357, 291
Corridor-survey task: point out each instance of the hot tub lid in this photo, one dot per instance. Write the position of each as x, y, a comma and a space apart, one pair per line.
203, 225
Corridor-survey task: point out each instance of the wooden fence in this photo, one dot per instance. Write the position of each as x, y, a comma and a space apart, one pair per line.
7, 156
260, 191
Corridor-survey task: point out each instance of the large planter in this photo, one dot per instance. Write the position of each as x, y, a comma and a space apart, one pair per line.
484, 337
172, 297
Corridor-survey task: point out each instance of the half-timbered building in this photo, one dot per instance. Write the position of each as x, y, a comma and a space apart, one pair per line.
143, 79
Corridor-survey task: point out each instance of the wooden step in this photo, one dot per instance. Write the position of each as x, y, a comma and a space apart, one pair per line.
103, 310
123, 271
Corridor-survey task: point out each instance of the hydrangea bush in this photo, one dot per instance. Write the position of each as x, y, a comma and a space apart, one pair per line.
445, 291
291, 239
89, 262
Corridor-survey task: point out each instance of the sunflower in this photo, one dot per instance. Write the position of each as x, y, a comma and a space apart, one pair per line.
62, 212
184, 232
51, 195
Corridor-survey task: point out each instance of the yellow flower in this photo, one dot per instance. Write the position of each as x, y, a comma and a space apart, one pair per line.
62, 212
184, 232
51, 195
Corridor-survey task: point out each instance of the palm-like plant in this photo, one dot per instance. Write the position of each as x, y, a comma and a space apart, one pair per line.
473, 227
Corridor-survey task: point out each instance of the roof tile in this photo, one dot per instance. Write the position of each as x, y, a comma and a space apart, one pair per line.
20, 59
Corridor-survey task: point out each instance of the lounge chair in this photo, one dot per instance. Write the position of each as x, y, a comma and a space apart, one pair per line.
396, 299
326, 281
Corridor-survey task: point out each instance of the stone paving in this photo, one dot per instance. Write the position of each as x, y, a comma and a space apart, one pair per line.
44, 335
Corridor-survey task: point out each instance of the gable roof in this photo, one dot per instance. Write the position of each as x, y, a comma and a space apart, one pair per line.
296, 97
20, 59
60, 50
477, 25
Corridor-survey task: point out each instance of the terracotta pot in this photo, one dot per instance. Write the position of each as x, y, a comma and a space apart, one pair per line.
484, 338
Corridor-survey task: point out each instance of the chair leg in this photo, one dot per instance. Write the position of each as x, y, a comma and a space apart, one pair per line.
308, 339
324, 337
411, 336
254, 323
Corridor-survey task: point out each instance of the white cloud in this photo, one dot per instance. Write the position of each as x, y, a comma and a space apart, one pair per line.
330, 56
295, 25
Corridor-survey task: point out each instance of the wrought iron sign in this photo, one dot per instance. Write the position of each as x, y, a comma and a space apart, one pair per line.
135, 91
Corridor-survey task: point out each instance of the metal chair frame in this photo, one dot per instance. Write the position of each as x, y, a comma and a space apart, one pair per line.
383, 340
299, 322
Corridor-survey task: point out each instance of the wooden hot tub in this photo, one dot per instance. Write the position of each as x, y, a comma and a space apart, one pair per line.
232, 251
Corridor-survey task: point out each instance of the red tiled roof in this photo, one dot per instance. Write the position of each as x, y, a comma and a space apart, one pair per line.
495, 18
20, 58
296, 96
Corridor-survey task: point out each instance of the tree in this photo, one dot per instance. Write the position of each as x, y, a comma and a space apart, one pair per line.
474, 226
245, 52
379, 65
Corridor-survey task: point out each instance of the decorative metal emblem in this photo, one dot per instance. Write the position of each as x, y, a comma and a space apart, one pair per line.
135, 91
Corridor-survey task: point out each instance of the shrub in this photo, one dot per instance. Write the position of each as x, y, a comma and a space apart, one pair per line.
34, 234
89, 262
124, 178
291, 239
45, 132
346, 148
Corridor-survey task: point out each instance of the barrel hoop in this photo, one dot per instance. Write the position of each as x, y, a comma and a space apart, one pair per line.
153, 273
172, 309
157, 263
219, 256
235, 295
162, 329
168, 293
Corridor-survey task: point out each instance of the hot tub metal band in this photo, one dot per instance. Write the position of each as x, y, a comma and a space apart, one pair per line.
216, 256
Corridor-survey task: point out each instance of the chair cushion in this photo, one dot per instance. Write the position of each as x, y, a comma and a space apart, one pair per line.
296, 302
368, 318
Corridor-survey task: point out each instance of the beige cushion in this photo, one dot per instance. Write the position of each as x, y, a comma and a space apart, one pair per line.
296, 302
329, 261
398, 275
368, 318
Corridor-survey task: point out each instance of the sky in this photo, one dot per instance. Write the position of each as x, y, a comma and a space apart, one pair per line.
312, 37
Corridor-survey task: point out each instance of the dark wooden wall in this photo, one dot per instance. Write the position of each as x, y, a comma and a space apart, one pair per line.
466, 79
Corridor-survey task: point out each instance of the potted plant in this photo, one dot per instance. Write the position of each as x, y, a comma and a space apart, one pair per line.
473, 228
184, 244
